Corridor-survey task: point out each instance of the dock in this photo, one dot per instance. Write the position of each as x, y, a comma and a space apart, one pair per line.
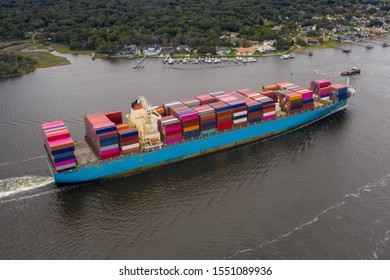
139, 64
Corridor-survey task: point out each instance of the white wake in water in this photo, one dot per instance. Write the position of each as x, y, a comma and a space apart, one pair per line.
29, 159
381, 245
11, 186
367, 188
333, 75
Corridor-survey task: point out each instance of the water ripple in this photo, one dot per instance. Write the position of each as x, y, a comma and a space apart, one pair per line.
367, 188
25, 160
379, 247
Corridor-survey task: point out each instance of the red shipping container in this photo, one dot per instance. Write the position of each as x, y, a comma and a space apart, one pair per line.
126, 152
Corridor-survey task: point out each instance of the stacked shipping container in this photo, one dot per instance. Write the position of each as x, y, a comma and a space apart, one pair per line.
224, 110
167, 106
293, 102
190, 102
59, 145
307, 99
254, 110
207, 119
171, 129
224, 115
269, 108
189, 119
321, 88
128, 139
205, 98
339, 91
115, 117
102, 134
238, 108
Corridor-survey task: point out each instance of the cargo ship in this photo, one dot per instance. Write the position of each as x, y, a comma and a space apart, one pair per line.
153, 136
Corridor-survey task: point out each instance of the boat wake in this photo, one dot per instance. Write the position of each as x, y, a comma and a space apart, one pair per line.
333, 75
384, 182
12, 186
381, 245
15, 162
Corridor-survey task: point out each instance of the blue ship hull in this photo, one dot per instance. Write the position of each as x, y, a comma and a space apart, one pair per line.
180, 151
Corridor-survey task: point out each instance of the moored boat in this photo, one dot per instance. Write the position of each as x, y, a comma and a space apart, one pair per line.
287, 56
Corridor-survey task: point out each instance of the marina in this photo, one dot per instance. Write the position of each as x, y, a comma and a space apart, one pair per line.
209, 60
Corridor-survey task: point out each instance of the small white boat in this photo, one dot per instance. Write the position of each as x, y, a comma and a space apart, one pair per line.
252, 59
171, 60
287, 56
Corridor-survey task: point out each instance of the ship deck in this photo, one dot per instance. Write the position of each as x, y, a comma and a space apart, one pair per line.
84, 154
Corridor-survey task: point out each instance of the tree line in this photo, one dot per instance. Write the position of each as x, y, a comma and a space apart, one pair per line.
106, 25
13, 64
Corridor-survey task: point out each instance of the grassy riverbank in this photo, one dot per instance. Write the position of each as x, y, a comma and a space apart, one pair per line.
329, 44
66, 50
45, 59
21, 57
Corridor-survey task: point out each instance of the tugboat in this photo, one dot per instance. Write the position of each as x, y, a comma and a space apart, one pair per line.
352, 71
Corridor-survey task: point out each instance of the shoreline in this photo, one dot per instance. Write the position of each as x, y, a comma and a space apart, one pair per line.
37, 52
45, 58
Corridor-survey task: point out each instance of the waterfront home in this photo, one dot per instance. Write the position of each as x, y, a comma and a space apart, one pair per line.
245, 51
167, 51
129, 50
222, 50
266, 48
345, 38
183, 49
233, 37
152, 50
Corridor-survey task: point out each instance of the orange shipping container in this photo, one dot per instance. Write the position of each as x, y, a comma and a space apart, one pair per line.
121, 127
271, 87
191, 128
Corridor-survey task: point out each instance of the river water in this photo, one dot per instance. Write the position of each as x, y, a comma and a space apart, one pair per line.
320, 192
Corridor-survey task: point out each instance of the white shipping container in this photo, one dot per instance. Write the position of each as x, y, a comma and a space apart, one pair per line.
131, 146
269, 114
70, 165
240, 120
240, 113
106, 148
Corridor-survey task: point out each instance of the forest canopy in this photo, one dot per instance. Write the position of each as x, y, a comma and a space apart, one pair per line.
106, 25
13, 64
